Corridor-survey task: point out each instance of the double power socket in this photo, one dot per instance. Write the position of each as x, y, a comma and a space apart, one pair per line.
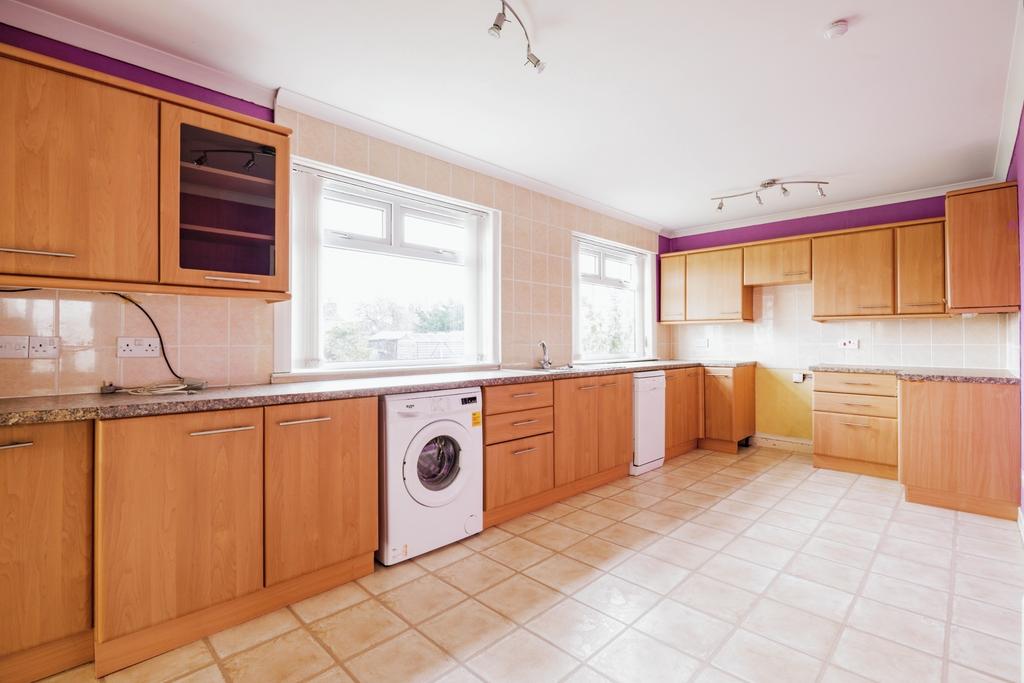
12, 346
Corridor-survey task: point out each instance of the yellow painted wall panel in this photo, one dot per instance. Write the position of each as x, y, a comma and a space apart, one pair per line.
783, 407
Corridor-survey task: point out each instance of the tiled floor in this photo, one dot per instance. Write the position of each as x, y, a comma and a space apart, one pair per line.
713, 568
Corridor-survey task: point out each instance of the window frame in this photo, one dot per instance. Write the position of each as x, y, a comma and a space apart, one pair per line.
643, 288
297, 335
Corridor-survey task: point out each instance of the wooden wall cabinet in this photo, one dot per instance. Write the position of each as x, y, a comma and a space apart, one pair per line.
960, 446
321, 485
777, 263
728, 407
853, 274
593, 425
684, 410
46, 499
179, 516
78, 185
855, 423
714, 286
673, 289
983, 249
920, 269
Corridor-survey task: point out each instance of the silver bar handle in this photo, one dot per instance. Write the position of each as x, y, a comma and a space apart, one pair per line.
729, 312
211, 432
859, 384
16, 444
523, 423
927, 303
524, 451
245, 280
875, 307
528, 394
795, 272
854, 424
35, 252
289, 423
715, 374
860, 405
589, 387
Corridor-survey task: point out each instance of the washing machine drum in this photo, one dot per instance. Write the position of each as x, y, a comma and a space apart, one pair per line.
435, 469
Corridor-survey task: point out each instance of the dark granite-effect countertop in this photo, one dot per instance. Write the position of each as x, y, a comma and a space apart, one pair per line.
912, 374
71, 407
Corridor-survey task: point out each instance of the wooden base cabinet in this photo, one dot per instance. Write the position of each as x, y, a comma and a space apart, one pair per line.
855, 423
728, 407
46, 501
684, 410
960, 446
593, 425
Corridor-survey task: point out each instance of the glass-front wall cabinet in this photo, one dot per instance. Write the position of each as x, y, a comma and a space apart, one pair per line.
224, 202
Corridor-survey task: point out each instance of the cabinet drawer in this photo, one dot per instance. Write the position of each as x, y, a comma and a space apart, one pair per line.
856, 404
869, 439
518, 469
506, 399
517, 425
855, 383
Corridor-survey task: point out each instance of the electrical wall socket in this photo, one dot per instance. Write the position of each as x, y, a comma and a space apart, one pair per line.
849, 343
43, 347
138, 347
13, 347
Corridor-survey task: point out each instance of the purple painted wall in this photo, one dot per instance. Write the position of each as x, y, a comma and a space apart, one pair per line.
114, 67
932, 207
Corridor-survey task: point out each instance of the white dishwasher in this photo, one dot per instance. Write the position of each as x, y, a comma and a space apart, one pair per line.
648, 421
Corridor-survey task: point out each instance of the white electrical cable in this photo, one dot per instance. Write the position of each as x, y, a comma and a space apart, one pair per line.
156, 389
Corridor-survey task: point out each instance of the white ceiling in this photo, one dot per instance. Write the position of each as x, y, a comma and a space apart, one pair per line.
647, 106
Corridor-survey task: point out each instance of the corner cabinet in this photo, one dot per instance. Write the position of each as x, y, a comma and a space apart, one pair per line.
223, 202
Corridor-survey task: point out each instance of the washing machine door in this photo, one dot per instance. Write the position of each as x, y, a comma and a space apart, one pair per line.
435, 468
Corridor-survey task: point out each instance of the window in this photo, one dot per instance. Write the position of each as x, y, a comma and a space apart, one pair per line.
612, 304
383, 277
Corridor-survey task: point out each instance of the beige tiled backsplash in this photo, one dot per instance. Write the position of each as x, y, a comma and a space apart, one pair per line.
225, 341
784, 336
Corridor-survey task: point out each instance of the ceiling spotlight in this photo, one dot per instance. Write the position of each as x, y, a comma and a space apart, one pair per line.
768, 185
785, 192
821, 192
837, 29
534, 61
499, 21
757, 196
721, 205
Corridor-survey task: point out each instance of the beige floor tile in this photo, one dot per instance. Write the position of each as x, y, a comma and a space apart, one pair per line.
421, 599
333, 675
582, 500
1005, 572
576, 628
712, 489
713, 675
671, 508
585, 521
487, 538
554, 536
738, 509
519, 598
981, 616
723, 521
520, 657
409, 658
787, 520
329, 602
909, 596
694, 498
585, 674
985, 590
637, 500
443, 557
466, 628
912, 532
759, 552
810, 596
1008, 535
617, 598
357, 628
459, 675
522, 524
705, 536
961, 674
841, 576
678, 553
563, 573
474, 574
755, 658
253, 632
605, 491
598, 553
839, 552
657, 490
165, 667
802, 495
612, 510
80, 674
836, 675
627, 535
775, 536
653, 521
294, 656
385, 578
651, 573
517, 553
555, 511
796, 507
857, 521
984, 548
847, 535
684, 628
918, 552
714, 597
636, 657
915, 572
210, 674
900, 626
986, 653
884, 661
739, 573
800, 630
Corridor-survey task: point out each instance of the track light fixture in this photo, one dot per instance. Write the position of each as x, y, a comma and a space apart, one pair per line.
767, 185
532, 60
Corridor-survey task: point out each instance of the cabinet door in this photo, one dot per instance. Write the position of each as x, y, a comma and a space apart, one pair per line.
179, 516
718, 401
673, 288
78, 177
517, 469
321, 485
692, 394
920, 269
983, 248
46, 522
577, 437
777, 263
675, 412
223, 202
853, 274
714, 286
615, 421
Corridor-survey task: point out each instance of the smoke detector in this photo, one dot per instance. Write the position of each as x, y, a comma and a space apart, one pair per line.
837, 29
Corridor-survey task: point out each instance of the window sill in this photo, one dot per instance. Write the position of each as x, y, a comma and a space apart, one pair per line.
319, 375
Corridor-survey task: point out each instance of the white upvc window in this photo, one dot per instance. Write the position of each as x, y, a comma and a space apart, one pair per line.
386, 277
613, 307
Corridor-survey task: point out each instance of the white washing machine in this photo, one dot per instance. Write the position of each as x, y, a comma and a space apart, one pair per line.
431, 471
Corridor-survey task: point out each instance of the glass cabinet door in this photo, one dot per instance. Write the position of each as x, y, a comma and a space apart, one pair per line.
224, 203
